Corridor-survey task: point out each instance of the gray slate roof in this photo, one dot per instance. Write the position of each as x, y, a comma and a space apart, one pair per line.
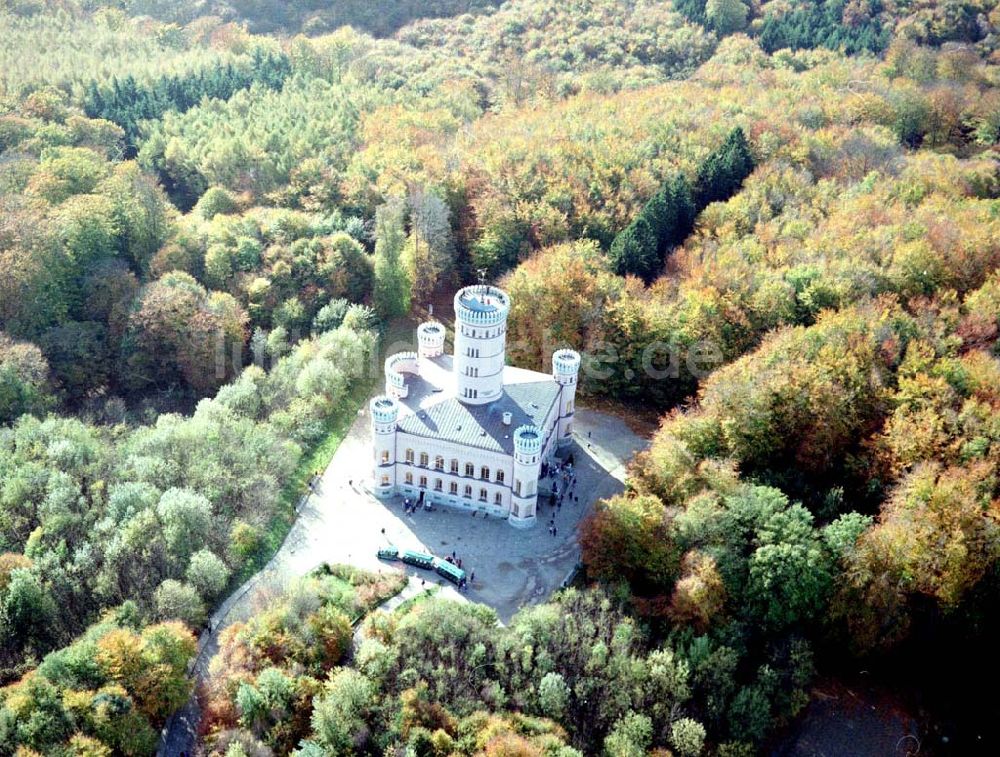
482, 426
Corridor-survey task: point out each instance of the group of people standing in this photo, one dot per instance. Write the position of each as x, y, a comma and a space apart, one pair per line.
563, 487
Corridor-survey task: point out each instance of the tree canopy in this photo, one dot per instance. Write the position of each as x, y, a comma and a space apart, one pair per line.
772, 225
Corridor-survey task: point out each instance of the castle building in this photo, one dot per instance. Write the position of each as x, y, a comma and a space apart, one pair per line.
467, 430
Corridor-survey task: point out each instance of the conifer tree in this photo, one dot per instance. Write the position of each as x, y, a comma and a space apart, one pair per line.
665, 221
635, 250
723, 172
738, 155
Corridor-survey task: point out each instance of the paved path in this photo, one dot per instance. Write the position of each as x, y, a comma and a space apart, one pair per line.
342, 523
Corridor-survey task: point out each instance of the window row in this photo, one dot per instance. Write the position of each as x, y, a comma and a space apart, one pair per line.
453, 465
485, 334
484, 495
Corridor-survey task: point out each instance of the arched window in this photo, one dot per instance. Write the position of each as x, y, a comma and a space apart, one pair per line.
483, 495
438, 485
498, 498
423, 482
409, 456
438, 463
424, 459
385, 480
453, 487
454, 467
468, 491
484, 473
409, 479
499, 476
385, 457
470, 469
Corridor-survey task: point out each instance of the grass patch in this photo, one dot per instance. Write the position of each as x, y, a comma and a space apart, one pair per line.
362, 590
319, 456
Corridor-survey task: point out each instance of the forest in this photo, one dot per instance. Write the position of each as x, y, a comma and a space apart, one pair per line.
786, 215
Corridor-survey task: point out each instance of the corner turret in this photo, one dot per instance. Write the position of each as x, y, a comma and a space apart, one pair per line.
430, 339
566, 373
527, 465
385, 417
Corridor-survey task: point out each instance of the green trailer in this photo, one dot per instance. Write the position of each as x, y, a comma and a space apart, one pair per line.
388, 553
452, 572
418, 559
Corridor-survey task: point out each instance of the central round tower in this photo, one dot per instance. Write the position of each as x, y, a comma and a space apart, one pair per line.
480, 343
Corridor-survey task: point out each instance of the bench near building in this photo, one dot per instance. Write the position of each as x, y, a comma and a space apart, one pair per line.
467, 430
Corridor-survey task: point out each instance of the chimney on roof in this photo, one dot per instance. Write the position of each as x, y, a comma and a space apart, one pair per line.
507, 419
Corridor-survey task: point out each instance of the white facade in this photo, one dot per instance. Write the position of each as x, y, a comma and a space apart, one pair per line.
466, 430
